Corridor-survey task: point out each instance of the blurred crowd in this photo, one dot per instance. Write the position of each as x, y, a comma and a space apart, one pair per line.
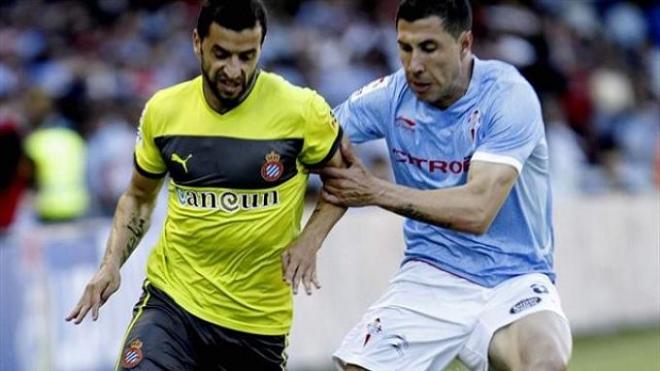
80, 72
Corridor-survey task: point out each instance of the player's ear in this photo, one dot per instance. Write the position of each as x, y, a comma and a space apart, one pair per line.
466, 40
197, 44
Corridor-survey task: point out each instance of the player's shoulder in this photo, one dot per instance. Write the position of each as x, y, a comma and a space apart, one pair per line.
174, 95
503, 87
168, 102
384, 87
297, 103
500, 77
506, 91
277, 87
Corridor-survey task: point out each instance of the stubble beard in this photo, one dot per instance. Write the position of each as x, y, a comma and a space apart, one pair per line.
213, 87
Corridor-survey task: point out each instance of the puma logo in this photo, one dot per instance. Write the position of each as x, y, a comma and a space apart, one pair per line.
178, 159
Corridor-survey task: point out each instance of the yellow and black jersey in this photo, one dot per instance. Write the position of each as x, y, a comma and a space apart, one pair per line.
236, 189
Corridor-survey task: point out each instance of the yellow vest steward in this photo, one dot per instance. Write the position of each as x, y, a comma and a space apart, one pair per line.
59, 154
236, 190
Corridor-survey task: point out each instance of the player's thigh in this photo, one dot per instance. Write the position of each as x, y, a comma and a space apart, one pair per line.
157, 337
539, 341
512, 307
237, 351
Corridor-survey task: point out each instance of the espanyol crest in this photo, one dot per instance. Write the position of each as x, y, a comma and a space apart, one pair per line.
132, 354
273, 169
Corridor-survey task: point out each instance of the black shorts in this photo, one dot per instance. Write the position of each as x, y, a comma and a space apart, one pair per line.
163, 336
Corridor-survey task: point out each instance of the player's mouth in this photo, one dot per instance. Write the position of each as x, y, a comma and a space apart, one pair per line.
229, 87
420, 87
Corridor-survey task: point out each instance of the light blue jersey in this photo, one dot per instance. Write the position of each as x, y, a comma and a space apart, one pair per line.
498, 120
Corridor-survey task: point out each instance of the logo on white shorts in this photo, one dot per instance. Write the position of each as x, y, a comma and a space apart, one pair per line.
398, 342
373, 328
525, 304
539, 288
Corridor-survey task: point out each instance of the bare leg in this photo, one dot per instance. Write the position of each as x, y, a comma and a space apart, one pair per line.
539, 342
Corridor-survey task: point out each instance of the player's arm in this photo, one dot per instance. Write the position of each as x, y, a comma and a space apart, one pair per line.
467, 208
131, 220
299, 261
130, 223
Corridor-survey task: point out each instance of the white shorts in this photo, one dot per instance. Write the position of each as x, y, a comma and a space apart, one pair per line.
427, 317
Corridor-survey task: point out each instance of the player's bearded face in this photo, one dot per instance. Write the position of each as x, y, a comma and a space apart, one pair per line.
229, 60
431, 58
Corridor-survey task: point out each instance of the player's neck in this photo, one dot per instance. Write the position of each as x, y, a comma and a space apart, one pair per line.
223, 106
461, 87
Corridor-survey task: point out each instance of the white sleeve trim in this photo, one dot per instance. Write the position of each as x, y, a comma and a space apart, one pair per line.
507, 160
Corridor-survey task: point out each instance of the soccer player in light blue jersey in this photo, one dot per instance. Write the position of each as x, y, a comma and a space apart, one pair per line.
470, 159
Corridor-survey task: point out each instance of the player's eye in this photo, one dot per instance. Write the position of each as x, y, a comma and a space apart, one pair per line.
429, 47
405, 47
220, 54
246, 57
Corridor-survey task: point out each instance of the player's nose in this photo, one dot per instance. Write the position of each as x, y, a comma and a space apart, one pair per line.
232, 69
416, 63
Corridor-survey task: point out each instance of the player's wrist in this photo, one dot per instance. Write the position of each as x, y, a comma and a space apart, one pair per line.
311, 239
110, 266
381, 194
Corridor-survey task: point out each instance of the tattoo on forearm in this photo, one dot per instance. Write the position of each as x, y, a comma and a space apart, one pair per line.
411, 212
136, 228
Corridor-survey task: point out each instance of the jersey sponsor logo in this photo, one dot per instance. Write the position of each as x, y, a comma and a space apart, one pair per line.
132, 354
432, 165
474, 123
373, 328
176, 158
273, 169
525, 304
405, 123
227, 201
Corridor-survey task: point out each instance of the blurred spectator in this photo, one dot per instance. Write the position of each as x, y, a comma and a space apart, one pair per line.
109, 162
567, 159
14, 169
58, 154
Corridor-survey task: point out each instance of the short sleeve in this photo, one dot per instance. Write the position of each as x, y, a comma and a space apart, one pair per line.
514, 129
366, 113
148, 160
322, 133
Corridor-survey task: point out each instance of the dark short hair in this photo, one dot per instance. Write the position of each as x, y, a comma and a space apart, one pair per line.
456, 14
235, 15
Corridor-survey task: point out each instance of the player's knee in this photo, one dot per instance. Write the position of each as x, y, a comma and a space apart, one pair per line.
545, 357
547, 362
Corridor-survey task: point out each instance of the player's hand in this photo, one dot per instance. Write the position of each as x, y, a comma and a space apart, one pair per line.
352, 186
104, 283
299, 264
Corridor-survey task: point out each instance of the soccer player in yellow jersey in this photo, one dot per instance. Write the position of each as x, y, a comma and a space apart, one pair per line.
237, 144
